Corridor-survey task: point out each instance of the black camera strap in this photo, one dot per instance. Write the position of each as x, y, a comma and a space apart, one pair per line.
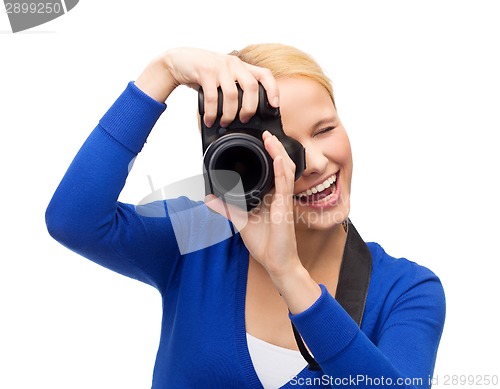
352, 287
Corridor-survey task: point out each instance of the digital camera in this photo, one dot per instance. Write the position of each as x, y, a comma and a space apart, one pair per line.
237, 167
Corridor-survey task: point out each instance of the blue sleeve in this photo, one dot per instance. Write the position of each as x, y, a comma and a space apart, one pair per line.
404, 352
85, 214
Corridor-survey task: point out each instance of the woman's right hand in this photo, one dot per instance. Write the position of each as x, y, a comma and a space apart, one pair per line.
196, 67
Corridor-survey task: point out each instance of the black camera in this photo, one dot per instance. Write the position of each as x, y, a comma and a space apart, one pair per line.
237, 167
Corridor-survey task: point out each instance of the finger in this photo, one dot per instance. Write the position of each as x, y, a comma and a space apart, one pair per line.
283, 197
210, 100
266, 78
236, 215
275, 148
229, 100
250, 100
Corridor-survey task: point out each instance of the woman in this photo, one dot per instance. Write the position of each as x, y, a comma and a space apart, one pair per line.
228, 307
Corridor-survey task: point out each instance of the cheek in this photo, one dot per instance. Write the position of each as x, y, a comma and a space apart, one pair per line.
339, 151
340, 154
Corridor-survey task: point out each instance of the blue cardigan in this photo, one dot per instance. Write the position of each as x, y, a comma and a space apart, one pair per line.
203, 343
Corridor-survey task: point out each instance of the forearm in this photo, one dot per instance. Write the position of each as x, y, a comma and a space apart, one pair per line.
403, 350
369, 367
342, 351
86, 198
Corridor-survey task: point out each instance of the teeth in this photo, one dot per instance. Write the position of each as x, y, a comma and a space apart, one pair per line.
319, 188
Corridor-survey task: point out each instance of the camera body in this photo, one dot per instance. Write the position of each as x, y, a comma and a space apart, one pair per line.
237, 167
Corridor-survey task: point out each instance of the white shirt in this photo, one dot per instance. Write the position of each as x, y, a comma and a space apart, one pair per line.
274, 365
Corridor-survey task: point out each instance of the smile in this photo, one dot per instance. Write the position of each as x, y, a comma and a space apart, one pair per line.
323, 195
329, 186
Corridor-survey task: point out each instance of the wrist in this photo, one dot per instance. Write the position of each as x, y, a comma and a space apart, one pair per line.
156, 80
297, 288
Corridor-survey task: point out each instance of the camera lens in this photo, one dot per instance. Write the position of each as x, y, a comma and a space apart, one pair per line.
240, 169
243, 161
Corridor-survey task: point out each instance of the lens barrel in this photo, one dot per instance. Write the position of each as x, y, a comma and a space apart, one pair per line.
239, 168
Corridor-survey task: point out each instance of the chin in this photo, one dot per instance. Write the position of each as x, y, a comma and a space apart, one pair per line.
321, 219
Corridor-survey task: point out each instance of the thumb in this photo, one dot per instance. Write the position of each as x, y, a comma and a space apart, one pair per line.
238, 216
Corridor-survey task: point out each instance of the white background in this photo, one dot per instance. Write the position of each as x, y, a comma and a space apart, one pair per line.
417, 86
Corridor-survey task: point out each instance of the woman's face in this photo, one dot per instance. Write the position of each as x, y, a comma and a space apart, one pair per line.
322, 193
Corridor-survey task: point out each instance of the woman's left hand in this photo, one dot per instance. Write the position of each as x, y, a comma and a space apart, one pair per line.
268, 231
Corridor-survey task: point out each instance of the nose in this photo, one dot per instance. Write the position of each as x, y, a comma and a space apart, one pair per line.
316, 162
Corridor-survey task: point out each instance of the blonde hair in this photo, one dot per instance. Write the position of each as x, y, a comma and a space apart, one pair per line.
285, 62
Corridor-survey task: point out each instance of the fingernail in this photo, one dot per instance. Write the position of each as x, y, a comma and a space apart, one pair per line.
276, 101
209, 123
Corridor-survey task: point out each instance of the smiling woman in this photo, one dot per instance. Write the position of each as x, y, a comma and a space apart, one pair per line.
296, 280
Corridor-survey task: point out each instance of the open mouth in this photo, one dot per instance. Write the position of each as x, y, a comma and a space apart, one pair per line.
321, 192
